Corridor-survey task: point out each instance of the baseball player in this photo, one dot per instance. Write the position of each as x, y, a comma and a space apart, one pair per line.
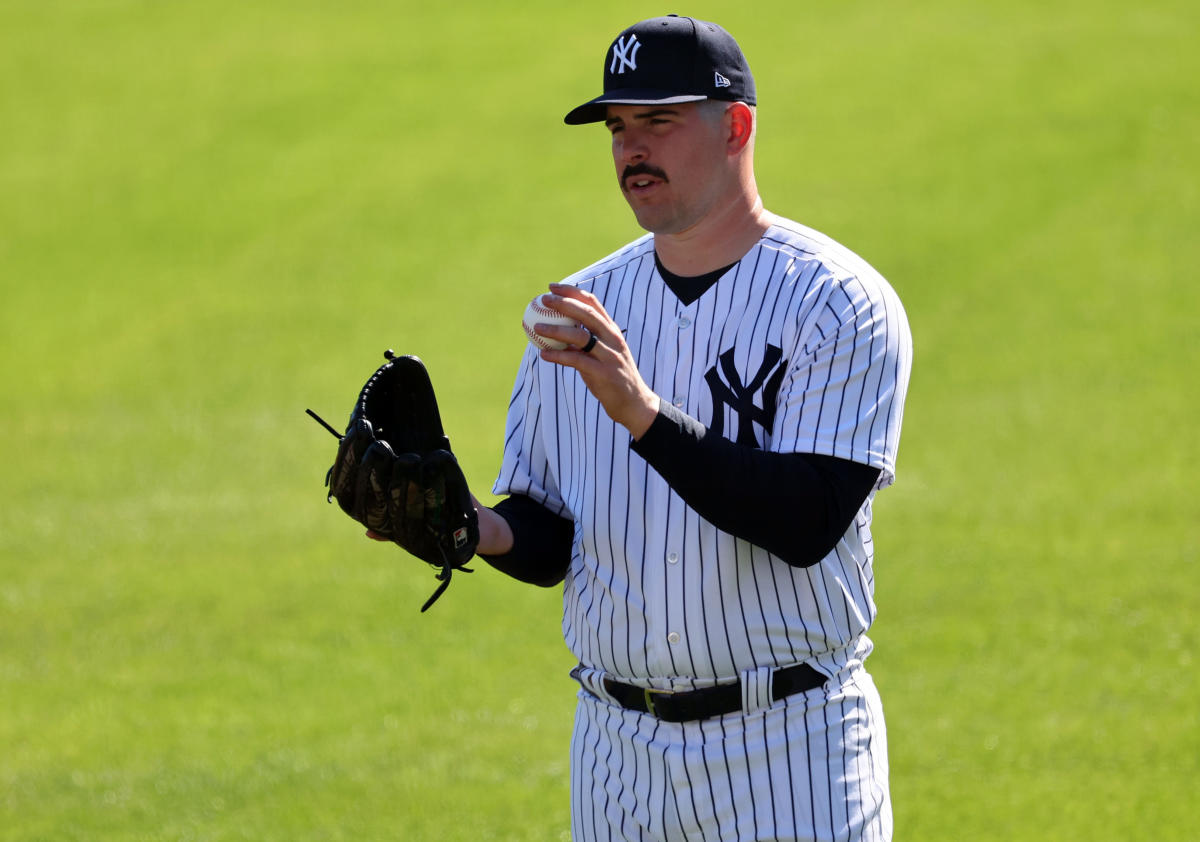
698, 469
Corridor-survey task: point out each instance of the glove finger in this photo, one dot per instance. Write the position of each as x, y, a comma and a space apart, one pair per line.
343, 476
409, 507
405, 485
372, 497
450, 515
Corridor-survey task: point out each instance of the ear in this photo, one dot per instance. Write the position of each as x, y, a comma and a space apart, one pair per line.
739, 119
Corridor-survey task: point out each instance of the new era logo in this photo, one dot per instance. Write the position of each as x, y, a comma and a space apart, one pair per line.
720, 81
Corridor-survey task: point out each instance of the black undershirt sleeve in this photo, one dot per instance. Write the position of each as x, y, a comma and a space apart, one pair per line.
795, 505
541, 542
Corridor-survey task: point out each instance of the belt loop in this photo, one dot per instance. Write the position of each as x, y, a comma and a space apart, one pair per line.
592, 680
756, 689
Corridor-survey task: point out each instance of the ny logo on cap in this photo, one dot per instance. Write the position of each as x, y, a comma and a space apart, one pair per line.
624, 52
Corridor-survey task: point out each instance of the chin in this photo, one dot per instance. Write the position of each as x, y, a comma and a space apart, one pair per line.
657, 223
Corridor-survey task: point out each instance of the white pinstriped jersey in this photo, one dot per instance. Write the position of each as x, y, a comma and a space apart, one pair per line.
800, 347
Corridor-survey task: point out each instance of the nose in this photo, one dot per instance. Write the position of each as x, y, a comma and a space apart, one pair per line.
630, 146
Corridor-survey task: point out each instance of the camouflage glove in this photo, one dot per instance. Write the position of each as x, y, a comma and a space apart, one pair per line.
395, 473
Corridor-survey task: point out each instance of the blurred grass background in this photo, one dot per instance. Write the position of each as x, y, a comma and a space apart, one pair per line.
213, 216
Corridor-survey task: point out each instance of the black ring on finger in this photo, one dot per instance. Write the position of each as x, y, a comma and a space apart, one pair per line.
591, 343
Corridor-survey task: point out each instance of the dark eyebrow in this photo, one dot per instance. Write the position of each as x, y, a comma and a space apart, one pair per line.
657, 112
645, 115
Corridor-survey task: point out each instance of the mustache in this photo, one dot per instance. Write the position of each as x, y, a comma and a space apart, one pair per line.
642, 169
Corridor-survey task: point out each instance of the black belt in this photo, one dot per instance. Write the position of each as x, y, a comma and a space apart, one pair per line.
709, 701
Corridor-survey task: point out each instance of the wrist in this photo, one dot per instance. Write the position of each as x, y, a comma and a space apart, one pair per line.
495, 535
643, 416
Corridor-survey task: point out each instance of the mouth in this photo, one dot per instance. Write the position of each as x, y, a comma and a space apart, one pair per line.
641, 179
640, 183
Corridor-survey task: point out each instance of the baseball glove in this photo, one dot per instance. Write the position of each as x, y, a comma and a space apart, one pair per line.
395, 473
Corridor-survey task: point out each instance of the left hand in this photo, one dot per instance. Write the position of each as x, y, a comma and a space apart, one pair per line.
608, 370
495, 535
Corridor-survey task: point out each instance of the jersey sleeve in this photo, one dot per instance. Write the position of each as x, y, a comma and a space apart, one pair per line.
844, 392
525, 468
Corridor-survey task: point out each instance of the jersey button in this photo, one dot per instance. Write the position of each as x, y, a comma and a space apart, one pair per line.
673, 637
684, 322
673, 558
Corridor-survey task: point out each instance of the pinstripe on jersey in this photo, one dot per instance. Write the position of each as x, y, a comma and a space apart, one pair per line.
654, 594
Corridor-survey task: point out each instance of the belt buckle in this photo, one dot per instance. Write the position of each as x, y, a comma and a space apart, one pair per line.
649, 693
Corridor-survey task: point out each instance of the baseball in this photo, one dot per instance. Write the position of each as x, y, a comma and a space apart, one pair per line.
535, 313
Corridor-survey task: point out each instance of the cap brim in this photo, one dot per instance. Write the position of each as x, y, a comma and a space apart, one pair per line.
596, 110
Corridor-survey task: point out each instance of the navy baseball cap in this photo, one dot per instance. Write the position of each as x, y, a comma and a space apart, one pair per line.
669, 60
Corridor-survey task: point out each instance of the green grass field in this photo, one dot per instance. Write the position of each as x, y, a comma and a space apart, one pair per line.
214, 215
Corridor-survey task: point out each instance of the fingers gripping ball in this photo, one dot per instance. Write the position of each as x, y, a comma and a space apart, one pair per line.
536, 312
395, 474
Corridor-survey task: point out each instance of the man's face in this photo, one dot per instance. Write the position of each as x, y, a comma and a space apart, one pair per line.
671, 162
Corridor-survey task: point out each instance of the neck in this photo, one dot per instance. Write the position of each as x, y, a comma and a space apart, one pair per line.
719, 240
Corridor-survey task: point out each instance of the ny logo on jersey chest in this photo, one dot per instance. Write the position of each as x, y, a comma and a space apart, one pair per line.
739, 396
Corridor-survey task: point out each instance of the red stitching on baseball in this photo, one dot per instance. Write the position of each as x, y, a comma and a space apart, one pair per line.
537, 339
543, 310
